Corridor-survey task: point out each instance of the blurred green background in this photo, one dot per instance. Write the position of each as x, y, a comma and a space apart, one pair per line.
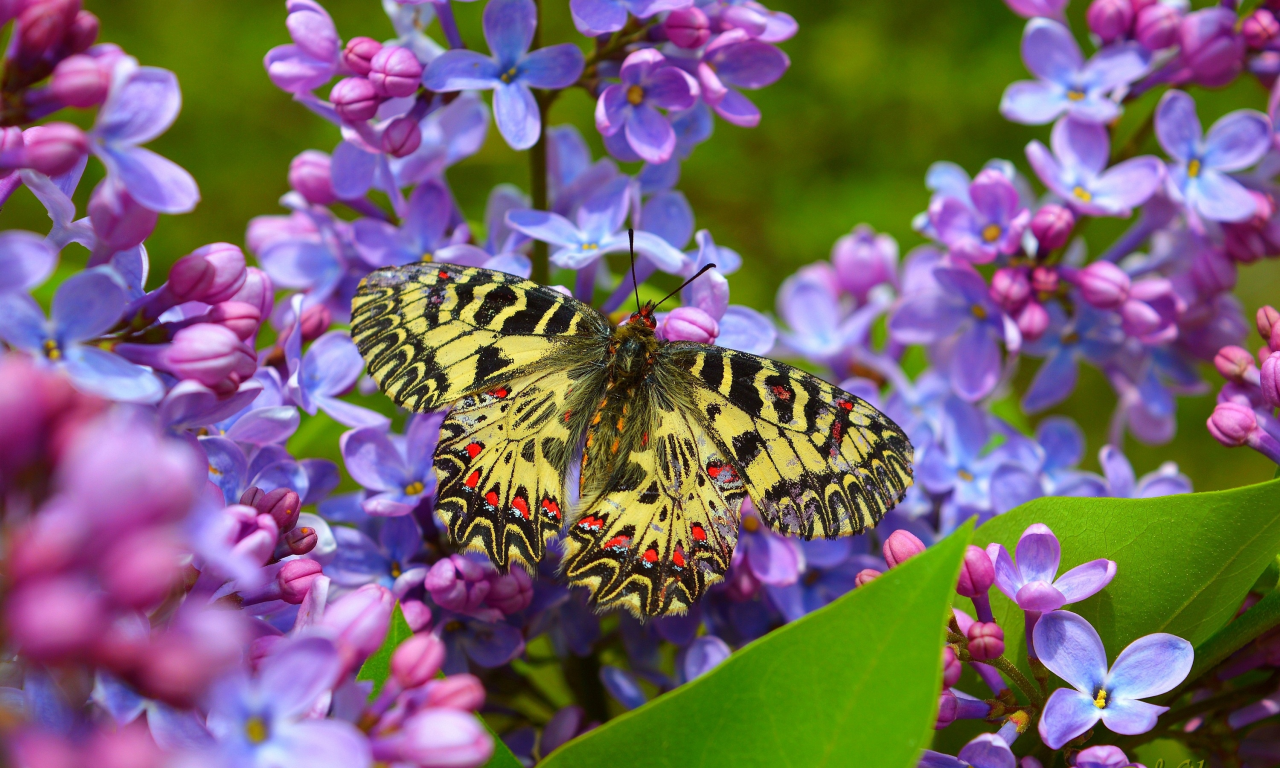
877, 90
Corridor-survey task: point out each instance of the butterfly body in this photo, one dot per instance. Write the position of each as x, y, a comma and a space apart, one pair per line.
671, 436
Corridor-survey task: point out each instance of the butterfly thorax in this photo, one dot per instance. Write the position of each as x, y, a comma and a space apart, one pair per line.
632, 349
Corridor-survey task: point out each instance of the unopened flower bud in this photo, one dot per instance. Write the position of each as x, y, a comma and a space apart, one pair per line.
976, 573
901, 546
1010, 288
1232, 362
242, 318
417, 660
687, 28
355, 99
310, 175
416, 614
1033, 321
251, 496
282, 504
358, 622
463, 692
301, 540
1103, 284
864, 576
118, 221
1052, 227
946, 710
359, 53
1232, 423
1156, 26
140, 569
436, 736
690, 324
394, 72
1212, 51
1044, 280
1259, 29
211, 274
1266, 320
53, 619
1269, 380
1110, 20
510, 592
951, 668
1212, 272
41, 30
402, 137
53, 148
863, 260
79, 81
295, 579
1249, 240
986, 640
316, 319
257, 291
209, 353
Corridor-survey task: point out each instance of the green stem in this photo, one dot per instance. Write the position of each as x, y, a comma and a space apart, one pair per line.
1011, 670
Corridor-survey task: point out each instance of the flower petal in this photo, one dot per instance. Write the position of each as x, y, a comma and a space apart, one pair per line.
26, 260
1033, 102
750, 64
516, 113
1008, 579
1237, 141
1038, 553
556, 66
1118, 470
547, 227
975, 363
508, 28
1066, 715
108, 375
1053, 382
265, 426
1128, 184
738, 110
153, 181
597, 17
1219, 197
1086, 579
660, 252
372, 461
1177, 125
327, 743
650, 135
1012, 485
746, 330
351, 415
87, 305
1070, 647
1080, 145
140, 108
1039, 596
1050, 52
1131, 717
988, 750
331, 365
294, 676
461, 70
672, 89
772, 559
1150, 666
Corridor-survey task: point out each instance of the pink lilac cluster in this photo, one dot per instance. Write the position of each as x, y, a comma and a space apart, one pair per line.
1246, 409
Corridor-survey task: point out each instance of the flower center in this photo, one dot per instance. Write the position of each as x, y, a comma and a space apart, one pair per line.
1075, 94
811, 578
978, 311
1082, 194
395, 569
1071, 338
51, 350
991, 233
255, 730
453, 626
965, 475
215, 471
750, 524
427, 257
635, 95
414, 488
509, 75
1100, 701
1193, 168
590, 246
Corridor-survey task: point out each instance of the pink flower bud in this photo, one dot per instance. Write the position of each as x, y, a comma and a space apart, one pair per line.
394, 72
946, 710
1044, 280
53, 148
41, 29
354, 99
436, 737
900, 547
986, 640
1232, 423
1157, 26
417, 660
54, 619
416, 614
1212, 52
79, 81
1266, 320
1103, 284
690, 324
282, 505
1212, 272
510, 592
459, 584
863, 260
864, 576
1259, 29
951, 668
1010, 288
977, 574
310, 175
295, 579
1110, 20
1232, 362
687, 28
358, 622
402, 137
209, 354
118, 221
256, 290
1052, 227
316, 319
301, 540
242, 319
140, 569
1269, 379
464, 692
212, 274
1033, 321
359, 53
82, 33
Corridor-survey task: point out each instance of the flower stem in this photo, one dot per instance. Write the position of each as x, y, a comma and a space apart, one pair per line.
538, 164
1011, 670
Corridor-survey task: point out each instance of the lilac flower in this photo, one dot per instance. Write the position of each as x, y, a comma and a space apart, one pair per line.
388, 561
264, 421
770, 557
191, 405
701, 656
631, 106
86, 306
511, 72
426, 219
988, 750
312, 251
1067, 83
142, 104
488, 644
312, 60
327, 371
233, 473
1072, 650
598, 17
1198, 177
954, 462
597, 232
449, 134
990, 222
751, 17
864, 260
1030, 9
1077, 170
959, 310
821, 328
26, 261
1093, 335
739, 327
1031, 582
830, 570
398, 470
1165, 481
263, 721
736, 60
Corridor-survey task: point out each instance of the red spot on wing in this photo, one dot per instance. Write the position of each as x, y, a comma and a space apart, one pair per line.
473, 479
845, 404
474, 449
644, 440
590, 523
724, 474
699, 534
550, 507
781, 392
837, 431
492, 498
521, 506
677, 557
650, 555
443, 275
500, 392
618, 542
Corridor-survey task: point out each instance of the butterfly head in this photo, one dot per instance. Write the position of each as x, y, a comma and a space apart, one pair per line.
644, 317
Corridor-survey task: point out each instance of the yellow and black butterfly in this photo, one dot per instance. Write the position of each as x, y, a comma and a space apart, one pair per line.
671, 435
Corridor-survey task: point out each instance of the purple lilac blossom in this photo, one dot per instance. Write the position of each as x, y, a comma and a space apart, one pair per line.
598, 17
329, 369
1032, 581
312, 59
989, 223
735, 60
397, 469
1077, 172
631, 107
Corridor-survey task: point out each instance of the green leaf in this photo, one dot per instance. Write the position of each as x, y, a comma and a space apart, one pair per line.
378, 666
855, 683
1246, 9
1184, 563
502, 756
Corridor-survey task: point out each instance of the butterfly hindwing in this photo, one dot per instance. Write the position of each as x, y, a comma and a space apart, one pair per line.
817, 460
431, 333
661, 528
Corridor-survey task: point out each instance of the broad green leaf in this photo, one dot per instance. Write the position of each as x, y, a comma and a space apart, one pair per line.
855, 683
502, 756
378, 666
1184, 563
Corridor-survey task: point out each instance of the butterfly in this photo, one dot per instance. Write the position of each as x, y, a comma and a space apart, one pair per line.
666, 438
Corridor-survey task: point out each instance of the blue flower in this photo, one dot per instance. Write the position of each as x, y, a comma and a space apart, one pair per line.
327, 371
1077, 172
397, 469
1092, 334
389, 561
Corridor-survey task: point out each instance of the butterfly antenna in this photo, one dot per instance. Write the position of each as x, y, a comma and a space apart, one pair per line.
631, 236
686, 282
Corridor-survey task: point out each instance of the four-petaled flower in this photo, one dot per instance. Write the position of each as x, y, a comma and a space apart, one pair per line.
1031, 582
1077, 170
631, 106
990, 222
